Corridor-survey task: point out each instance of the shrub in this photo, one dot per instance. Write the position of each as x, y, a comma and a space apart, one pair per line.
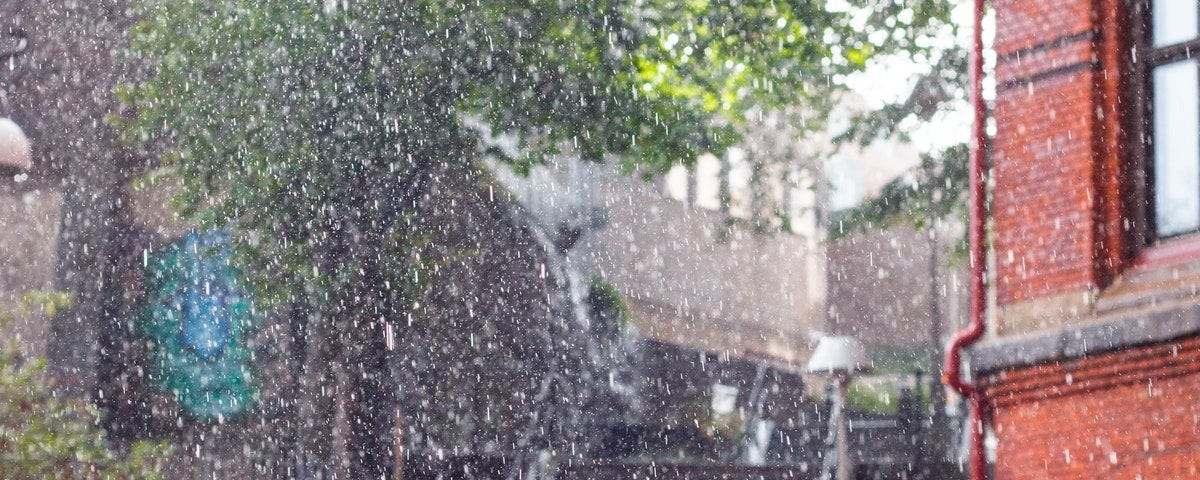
42, 436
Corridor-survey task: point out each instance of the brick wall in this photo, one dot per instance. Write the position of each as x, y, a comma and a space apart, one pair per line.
1066, 212
1128, 414
1057, 156
878, 287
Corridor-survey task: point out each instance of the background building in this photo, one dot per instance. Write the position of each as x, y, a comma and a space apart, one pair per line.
880, 279
692, 270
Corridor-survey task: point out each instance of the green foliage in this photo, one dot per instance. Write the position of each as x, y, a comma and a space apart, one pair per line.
43, 436
915, 198
726, 431
866, 399
605, 297
937, 188
901, 360
885, 397
944, 86
313, 134
290, 122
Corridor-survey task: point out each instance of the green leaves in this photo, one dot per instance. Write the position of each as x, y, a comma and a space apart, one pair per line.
43, 436
937, 188
312, 134
302, 129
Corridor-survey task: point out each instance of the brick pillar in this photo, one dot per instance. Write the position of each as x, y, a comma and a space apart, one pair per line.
1056, 158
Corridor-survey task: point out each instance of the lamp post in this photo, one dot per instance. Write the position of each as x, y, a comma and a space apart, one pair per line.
840, 358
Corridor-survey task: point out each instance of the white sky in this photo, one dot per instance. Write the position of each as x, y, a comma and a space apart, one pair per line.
891, 80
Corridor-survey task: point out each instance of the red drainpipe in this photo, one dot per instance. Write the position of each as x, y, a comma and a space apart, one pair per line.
953, 364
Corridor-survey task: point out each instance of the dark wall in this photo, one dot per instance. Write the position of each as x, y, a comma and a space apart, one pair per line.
60, 91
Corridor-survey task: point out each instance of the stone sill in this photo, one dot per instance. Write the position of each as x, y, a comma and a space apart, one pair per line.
1156, 300
1143, 328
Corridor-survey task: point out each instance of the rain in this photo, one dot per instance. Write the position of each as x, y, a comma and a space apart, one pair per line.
584, 240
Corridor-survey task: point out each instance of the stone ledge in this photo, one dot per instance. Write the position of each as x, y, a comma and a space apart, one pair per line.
1047, 313
1079, 341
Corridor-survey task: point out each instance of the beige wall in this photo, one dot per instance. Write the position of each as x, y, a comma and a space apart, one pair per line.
879, 284
29, 222
694, 282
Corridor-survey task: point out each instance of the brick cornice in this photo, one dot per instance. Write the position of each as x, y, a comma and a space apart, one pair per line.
1094, 373
1019, 54
1041, 75
1061, 56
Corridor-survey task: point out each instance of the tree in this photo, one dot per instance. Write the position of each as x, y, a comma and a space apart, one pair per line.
934, 189
937, 187
310, 132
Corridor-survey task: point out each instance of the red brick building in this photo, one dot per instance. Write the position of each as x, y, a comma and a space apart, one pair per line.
1091, 367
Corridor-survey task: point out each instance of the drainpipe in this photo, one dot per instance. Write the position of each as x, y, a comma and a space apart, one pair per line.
953, 362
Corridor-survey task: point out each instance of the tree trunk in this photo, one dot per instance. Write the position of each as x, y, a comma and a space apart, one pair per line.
373, 391
88, 252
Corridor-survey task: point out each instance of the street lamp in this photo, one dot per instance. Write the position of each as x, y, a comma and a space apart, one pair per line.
15, 153
840, 358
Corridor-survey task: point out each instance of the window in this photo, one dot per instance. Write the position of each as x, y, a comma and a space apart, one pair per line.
1170, 47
